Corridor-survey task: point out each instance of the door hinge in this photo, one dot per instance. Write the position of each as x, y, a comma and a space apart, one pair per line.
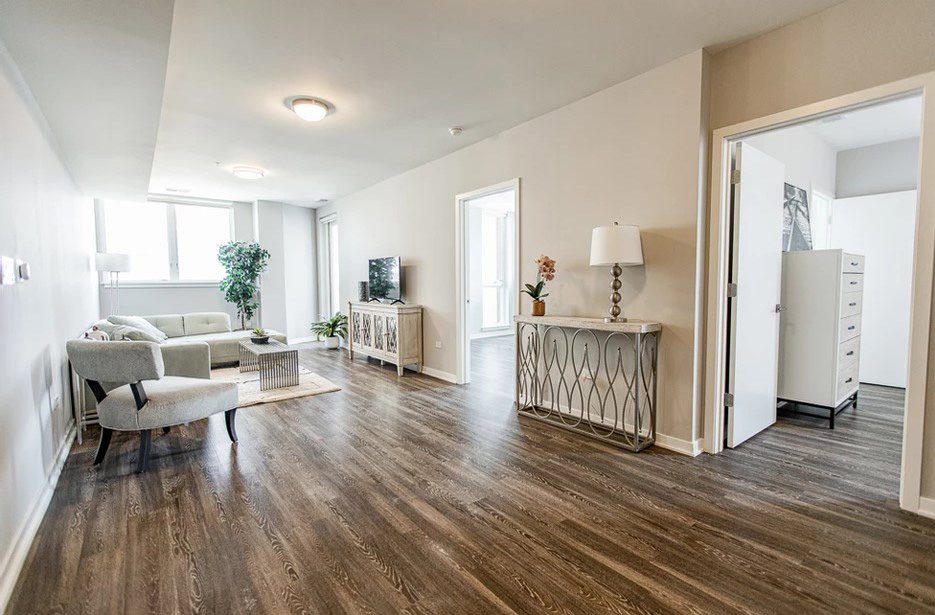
728, 400
735, 176
731, 290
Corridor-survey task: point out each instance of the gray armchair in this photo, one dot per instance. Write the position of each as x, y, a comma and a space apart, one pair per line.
164, 401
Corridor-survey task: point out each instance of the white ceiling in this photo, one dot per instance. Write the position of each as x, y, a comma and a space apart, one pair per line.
96, 69
882, 123
398, 73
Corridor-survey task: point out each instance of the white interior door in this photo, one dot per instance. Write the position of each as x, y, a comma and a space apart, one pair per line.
757, 272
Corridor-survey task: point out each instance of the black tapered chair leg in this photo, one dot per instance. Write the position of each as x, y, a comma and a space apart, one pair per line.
230, 416
166, 429
146, 439
103, 444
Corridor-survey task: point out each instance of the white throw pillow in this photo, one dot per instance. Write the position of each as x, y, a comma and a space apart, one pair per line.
126, 332
138, 322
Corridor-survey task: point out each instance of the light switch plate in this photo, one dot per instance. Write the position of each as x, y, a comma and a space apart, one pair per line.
7, 270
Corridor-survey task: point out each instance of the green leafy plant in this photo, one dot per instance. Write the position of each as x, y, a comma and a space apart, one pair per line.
243, 262
259, 332
336, 326
536, 291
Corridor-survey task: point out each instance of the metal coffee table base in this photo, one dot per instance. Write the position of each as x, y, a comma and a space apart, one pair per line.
277, 369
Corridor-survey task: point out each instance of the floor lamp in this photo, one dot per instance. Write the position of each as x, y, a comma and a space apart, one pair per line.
114, 264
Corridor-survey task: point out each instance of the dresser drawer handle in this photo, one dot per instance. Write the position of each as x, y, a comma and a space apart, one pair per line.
852, 304
852, 327
848, 380
850, 353
854, 283
853, 264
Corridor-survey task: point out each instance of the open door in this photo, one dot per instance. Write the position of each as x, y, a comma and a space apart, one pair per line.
756, 270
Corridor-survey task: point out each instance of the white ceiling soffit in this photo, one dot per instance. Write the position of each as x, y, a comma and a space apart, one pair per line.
399, 75
882, 123
97, 70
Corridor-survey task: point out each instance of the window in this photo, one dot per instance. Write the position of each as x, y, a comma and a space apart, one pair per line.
494, 269
328, 266
167, 242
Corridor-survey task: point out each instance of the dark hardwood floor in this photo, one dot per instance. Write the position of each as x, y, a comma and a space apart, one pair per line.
414, 495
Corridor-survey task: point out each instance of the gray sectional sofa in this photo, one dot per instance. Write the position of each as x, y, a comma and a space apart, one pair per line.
195, 343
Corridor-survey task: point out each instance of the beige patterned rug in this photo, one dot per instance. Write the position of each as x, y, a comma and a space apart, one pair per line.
248, 386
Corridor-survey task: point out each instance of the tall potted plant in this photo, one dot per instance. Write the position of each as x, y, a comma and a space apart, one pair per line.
243, 262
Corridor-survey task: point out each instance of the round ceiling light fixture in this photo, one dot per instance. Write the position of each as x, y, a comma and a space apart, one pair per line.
310, 109
248, 172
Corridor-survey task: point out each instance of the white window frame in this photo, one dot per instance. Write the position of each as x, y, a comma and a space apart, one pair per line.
325, 290
172, 231
503, 300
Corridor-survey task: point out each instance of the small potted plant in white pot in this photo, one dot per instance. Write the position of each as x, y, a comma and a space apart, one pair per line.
333, 329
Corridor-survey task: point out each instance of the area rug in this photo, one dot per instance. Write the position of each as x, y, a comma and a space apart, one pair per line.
249, 393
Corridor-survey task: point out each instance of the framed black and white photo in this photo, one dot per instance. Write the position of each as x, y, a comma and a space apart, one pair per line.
796, 229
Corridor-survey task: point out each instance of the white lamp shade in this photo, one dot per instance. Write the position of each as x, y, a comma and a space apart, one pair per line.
616, 244
111, 261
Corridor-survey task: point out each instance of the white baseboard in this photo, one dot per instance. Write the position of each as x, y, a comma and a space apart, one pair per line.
14, 559
437, 373
927, 507
686, 447
301, 340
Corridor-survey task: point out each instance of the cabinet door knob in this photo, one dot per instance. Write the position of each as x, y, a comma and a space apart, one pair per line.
849, 380
851, 328
850, 353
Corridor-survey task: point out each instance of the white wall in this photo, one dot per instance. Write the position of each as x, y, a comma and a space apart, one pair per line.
878, 169
630, 153
882, 228
46, 222
810, 162
299, 251
288, 291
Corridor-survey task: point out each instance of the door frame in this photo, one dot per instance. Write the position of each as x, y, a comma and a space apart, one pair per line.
715, 285
462, 344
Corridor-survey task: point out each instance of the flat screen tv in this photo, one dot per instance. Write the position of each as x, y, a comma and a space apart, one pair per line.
384, 279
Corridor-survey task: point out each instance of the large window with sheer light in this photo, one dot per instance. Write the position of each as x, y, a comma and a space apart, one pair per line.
166, 242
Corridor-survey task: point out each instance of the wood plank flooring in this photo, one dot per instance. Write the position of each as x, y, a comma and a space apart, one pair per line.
413, 495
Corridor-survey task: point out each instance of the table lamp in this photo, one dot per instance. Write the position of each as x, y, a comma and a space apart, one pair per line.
615, 246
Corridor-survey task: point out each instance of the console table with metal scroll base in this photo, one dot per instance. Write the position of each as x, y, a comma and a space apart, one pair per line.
588, 376
277, 363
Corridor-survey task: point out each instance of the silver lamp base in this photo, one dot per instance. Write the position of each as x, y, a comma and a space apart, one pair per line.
616, 270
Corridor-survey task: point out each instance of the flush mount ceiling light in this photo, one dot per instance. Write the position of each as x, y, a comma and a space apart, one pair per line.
310, 109
247, 172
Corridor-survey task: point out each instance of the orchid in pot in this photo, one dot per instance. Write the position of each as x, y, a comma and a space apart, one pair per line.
545, 273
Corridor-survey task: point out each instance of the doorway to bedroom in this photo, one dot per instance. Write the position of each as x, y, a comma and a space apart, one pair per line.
488, 283
821, 251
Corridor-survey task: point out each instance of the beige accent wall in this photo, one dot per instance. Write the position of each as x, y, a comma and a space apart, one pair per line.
630, 153
849, 47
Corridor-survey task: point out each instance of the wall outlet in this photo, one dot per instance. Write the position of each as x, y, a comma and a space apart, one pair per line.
438, 343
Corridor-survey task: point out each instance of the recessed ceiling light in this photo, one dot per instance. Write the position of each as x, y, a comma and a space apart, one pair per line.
310, 109
454, 131
179, 190
248, 172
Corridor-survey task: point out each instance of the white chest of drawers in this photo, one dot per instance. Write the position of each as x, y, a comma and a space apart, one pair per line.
819, 328
391, 333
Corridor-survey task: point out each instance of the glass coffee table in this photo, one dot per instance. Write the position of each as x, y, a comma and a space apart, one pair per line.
277, 363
